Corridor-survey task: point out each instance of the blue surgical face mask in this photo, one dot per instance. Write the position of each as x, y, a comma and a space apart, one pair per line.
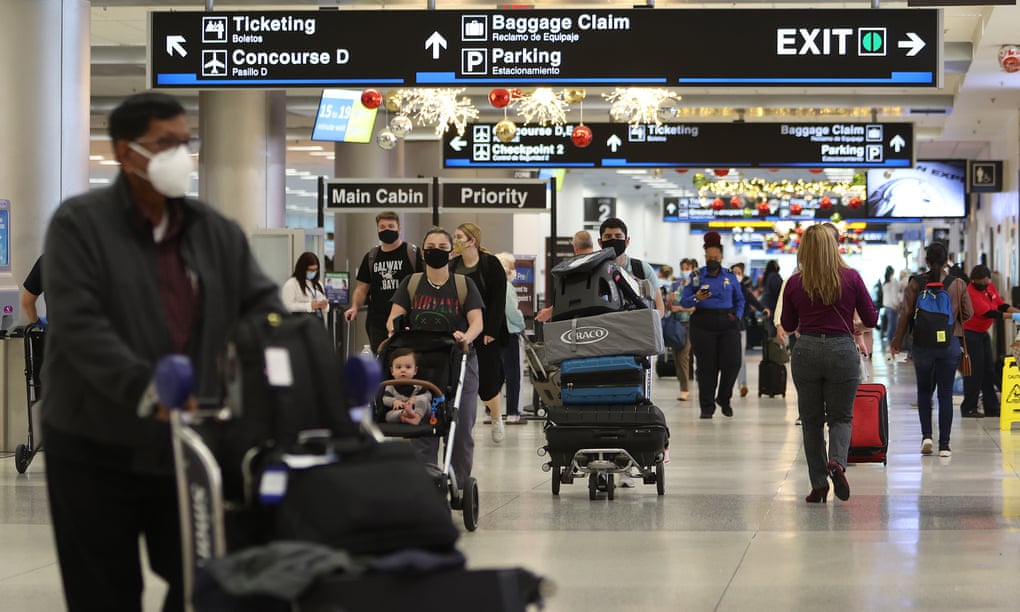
311, 275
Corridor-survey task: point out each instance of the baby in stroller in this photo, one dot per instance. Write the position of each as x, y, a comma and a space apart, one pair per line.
430, 411
405, 403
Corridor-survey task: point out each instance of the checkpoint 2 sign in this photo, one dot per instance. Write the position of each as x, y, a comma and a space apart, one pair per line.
660, 47
690, 145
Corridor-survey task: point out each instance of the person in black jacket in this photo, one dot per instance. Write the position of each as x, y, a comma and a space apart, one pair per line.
487, 271
772, 286
132, 272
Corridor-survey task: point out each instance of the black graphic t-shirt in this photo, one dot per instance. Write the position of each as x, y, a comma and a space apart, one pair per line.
438, 309
388, 269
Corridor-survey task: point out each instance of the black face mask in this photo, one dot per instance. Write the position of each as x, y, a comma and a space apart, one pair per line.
436, 258
980, 287
389, 236
713, 266
620, 246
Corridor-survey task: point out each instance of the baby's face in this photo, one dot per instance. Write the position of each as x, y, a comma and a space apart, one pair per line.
403, 367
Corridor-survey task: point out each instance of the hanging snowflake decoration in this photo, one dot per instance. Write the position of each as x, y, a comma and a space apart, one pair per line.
637, 105
543, 106
438, 107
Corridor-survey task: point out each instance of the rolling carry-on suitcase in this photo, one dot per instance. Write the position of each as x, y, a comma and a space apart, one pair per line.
771, 379
615, 379
869, 434
665, 365
640, 429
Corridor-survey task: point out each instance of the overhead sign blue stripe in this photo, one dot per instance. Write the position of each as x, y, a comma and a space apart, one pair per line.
895, 78
192, 79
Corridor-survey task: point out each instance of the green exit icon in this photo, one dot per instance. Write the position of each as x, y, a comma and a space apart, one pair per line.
871, 41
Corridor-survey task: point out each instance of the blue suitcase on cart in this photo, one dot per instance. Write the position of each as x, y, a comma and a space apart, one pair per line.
613, 379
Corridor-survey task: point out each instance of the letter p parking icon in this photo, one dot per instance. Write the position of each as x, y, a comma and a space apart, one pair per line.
474, 61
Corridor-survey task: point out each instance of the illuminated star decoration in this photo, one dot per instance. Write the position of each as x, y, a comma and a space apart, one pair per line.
438, 107
543, 106
637, 105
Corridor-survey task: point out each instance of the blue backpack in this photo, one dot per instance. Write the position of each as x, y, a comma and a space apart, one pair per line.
933, 316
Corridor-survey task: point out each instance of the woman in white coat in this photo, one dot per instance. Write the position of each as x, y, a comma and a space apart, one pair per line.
302, 292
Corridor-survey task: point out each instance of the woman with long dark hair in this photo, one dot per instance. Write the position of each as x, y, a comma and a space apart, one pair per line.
819, 303
935, 365
302, 292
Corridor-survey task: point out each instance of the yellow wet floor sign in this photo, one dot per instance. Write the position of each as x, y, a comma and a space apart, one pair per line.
1010, 412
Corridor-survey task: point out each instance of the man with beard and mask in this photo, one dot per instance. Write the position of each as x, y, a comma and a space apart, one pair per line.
613, 234
380, 273
718, 302
133, 272
445, 302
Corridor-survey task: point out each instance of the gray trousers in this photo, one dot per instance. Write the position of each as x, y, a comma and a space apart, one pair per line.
463, 442
826, 372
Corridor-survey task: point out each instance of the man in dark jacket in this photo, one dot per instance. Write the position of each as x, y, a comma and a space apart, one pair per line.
132, 273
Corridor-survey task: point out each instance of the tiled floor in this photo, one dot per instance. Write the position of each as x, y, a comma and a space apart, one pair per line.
731, 533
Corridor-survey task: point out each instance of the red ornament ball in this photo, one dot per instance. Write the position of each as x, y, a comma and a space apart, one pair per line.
796, 209
815, 170
763, 208
371, 98
499, 97
721, 171
581, 136
854, 203
736, 202
682, 170
825, 203
717, 204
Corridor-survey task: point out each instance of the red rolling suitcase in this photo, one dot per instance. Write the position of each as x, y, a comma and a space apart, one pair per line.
869, 435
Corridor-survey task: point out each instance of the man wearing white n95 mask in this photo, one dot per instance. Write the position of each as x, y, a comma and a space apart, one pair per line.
132, 272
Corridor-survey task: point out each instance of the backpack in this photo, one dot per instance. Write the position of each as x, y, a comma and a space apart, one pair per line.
459, 280
933, 316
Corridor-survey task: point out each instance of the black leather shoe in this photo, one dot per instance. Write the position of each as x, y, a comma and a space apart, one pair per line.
727, 411
973, 415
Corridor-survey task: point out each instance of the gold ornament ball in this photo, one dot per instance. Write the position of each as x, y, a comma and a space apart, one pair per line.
386, 140
506, 130
574, 96
392, 101
400, 126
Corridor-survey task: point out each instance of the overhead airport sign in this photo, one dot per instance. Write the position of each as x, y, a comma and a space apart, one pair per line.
662, 47
494, 194
615, 145
378, 193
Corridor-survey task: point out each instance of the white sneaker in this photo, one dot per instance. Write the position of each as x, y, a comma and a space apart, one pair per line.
944, 451
498, 430
926, 446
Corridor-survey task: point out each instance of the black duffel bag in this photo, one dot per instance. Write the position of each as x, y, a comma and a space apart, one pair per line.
369, 498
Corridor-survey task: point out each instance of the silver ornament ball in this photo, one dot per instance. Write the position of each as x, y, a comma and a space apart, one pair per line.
400, 126
386, 139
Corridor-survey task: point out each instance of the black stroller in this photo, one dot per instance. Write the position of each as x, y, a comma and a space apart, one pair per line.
441, 367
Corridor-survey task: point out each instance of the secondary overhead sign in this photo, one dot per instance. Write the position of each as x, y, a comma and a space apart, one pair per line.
664, 47
378, 193
494, 194
770, 145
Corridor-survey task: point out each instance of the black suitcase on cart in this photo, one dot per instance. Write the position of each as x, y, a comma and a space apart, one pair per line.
640, 430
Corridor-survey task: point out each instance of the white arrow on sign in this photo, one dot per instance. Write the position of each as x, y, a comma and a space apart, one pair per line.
614, 143
173, 43
915, 44
436, 41
458, 144
897, 143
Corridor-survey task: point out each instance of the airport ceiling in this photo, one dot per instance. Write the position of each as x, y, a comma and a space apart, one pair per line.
957, 120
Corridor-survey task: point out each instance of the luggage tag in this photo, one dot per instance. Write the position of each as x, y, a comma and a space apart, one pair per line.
278, 370
273, 485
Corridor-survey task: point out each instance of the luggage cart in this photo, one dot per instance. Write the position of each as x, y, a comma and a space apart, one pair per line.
35, 338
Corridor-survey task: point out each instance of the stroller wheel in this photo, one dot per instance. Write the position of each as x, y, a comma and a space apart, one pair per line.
557, 475
610, 487
471, 504
22, 457
593, 485
660, 478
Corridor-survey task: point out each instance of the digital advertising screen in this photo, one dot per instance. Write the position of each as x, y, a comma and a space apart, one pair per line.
932, 188
343, 118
